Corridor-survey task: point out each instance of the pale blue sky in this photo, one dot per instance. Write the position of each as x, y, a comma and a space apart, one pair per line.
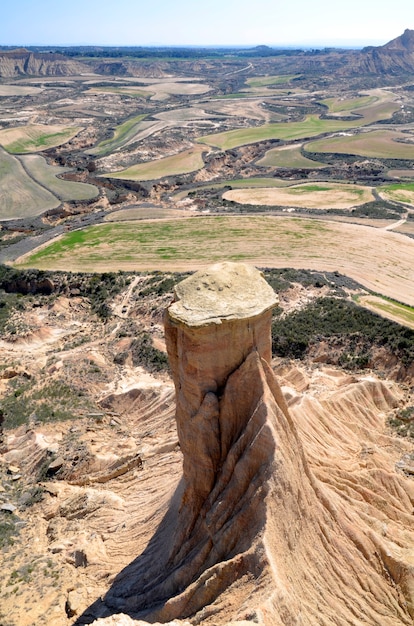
213, 22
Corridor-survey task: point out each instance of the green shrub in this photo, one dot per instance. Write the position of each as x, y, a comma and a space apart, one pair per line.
144, 354
355, 328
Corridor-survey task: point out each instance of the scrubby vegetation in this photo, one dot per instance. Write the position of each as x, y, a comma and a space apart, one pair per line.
355, 330
146, 355
98, 288
52, 401
403, 422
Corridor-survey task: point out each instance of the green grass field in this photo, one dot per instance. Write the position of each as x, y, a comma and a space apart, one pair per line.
381, 144
186, 240
337, 105
264, 81
311, 126
122, 134
36, 137
20, 195
380, 260
401, 192
47, 175
389, 308
288, 156
182, 163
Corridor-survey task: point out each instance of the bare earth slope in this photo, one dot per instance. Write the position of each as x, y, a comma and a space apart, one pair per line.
22, 62
281, 504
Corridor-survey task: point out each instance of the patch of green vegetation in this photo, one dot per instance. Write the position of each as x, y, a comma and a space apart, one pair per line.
20, 195
381, 144
122, 134
99, 288
396, 192
290, 157
8, 529
397, 187
47, 176
337, 105
403, 422
181, 163
402, 311
378, 209
311, 126
144, 354
50, 402
356, 331
35, 139
316, 187
263, 81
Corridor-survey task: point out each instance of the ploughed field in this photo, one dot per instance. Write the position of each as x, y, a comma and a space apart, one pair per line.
377, 258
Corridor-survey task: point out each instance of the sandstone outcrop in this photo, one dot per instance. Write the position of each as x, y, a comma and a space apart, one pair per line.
395, 57
22, 62
283, 515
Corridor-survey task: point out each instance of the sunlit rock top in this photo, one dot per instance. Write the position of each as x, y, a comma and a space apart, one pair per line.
224, 291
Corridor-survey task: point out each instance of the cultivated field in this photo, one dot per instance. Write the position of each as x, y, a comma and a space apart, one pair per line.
144, 213
381, 260
182, 163
47, 175
400, 192
387, 308
20, 195
263, 81
383, 144
339, 105
18, 90
123, 133
312, 196
288, 156
252, 108
157, 89
36, 137
132, 92
311, 126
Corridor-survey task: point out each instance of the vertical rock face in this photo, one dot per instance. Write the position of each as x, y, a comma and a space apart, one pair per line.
279, 520
220, 317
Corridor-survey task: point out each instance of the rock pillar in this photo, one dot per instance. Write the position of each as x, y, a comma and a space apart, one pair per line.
219, 316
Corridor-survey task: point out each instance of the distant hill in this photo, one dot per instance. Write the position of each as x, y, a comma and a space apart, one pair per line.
395, 57
22, 62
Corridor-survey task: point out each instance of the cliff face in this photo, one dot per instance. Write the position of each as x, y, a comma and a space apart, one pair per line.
280, 515
395, 57
22, 62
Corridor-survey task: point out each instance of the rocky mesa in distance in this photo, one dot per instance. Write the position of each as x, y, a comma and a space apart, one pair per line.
22, 62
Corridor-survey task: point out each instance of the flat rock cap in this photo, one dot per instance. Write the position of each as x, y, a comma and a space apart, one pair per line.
224, 291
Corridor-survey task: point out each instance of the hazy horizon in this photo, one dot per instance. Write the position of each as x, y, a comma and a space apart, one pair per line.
352, 45
182, 23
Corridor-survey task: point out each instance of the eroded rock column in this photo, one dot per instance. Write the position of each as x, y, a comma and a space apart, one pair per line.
219, 316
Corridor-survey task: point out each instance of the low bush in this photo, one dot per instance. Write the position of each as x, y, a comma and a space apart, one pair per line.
359, 328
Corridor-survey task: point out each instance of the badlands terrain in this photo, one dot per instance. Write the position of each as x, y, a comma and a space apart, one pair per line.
242, 455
